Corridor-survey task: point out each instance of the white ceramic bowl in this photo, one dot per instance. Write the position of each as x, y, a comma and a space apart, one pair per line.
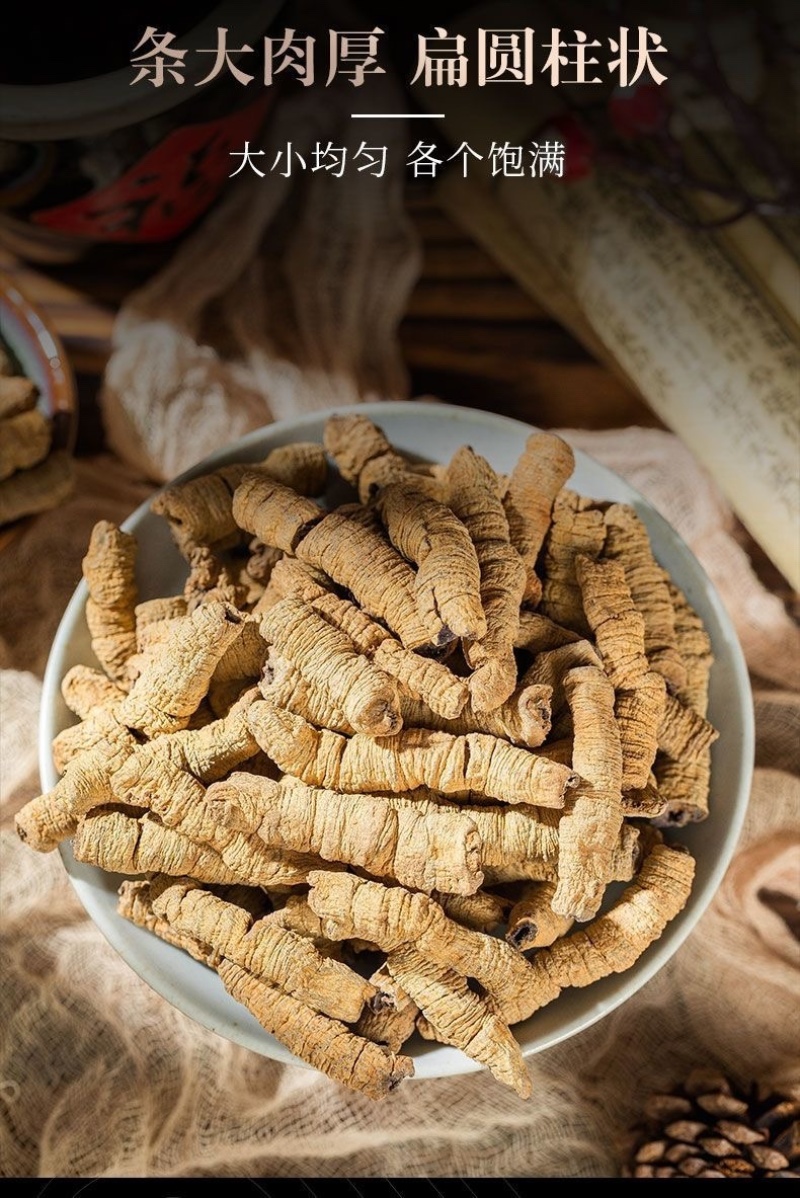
433, 432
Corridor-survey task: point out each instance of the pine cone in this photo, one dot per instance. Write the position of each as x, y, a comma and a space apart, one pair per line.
710, 1127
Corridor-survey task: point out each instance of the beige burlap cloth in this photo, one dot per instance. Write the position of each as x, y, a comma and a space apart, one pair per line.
99, 1076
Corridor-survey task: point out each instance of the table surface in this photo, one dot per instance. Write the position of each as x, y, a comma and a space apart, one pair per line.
469, 332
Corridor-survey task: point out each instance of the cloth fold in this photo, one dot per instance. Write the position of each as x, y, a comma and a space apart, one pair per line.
100, 1076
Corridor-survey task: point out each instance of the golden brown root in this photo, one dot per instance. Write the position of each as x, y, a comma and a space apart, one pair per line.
537, 634
200, 512
589, 831
366, 459
24, 441
135, 904
683, 734
461, 1017
424, 847
550, 668
524, 718
325, 1043
482, 911
262, 948
617, 626
84, 689
628, 543
175, 677
616, 940
577, 529
127, 844
415, 757
645, 803
473, 497
108, 570
640, 714
52, 817
684, 788
328, 659
350, 547
532, 922
392, 1022
694, 646
391, 916
178, 800
448, 576
541, 471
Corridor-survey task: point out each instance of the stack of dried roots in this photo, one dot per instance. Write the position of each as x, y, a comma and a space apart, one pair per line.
376, 763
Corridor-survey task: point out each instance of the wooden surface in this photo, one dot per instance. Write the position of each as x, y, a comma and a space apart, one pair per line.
470, 336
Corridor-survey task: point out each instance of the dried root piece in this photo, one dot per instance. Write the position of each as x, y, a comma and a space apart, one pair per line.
588, 833
135, 904
550, 668
614, 941
694, 646
413, 758
176, 677
622, 865
541, 471
262, 561
532, 922
262, 948
640, 714
366, 459
393, 1021
684, 787
274, 513
473, 497
350, 547
628, 543
577, 530
153, 618
391, 916
129, 844
208, 753
296, 916
283, 686
683, 734
17, 394
482, 911
524, 718
209, 578
301, 466
328, 659
645, 803
617, 626
38, 489
448, 578
421, 678
200, 511
177, 799
514, 840
537, 633
24, 441
52, 817
325, 1043
461, 1017
424, 847
84, 690
108, 569
345, 544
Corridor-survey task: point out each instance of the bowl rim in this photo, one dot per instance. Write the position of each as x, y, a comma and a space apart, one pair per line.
48, 349
627, 983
